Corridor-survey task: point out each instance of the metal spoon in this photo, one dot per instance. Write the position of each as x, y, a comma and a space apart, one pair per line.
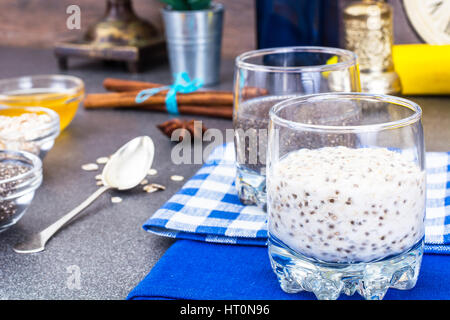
125, 170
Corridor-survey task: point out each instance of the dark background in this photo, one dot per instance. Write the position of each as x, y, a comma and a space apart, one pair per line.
39, 23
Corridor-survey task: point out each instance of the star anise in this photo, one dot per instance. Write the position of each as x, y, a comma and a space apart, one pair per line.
195, 129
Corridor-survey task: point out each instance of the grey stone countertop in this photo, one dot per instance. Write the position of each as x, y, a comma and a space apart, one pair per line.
107, 243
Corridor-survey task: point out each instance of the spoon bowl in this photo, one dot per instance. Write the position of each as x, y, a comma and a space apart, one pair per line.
129, 165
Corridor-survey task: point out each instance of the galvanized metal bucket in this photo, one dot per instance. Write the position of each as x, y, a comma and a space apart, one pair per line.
194, 40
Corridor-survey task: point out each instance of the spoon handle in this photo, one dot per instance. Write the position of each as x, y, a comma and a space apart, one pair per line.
48, 232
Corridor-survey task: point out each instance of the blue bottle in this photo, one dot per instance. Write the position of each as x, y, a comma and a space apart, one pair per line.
283, 23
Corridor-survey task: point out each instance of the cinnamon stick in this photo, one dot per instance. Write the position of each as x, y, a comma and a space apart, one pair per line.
127, 99
120, 85
217, 111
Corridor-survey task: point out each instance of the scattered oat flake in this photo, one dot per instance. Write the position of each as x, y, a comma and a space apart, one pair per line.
98, 177
99, 183
159, 186
149, 188
176, 178
116, 199
153, 187
102, 160
143, 182
152, 172
89, 167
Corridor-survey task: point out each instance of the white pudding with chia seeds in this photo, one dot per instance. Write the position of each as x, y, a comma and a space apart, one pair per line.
339, 204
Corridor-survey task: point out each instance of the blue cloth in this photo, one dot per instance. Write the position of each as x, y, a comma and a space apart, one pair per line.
207, 207
198, 270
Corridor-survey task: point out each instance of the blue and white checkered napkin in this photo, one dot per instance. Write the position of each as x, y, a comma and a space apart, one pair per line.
208, 208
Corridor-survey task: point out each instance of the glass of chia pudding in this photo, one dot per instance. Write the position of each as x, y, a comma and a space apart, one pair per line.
346, 203
268, 76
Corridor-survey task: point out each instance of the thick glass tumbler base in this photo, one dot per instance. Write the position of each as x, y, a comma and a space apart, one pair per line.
327, 281
251, 187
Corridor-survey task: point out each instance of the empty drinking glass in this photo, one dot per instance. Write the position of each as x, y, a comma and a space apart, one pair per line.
346, 202
265, 77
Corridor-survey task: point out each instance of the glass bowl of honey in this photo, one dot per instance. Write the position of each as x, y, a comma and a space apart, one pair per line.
30, 129
60, 93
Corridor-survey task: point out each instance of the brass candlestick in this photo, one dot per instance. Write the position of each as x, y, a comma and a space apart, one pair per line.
119, 35
368, 32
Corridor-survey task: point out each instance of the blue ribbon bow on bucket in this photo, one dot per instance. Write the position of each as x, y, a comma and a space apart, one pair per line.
182, 84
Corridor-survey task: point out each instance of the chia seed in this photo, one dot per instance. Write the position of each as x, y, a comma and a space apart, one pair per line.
251, 119
364, 213
9, 170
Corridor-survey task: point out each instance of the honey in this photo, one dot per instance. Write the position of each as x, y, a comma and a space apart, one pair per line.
63, 103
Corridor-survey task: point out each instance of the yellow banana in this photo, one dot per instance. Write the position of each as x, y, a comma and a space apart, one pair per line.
423, 69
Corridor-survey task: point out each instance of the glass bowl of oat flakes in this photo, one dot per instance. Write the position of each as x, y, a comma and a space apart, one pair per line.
30, 129
20, 176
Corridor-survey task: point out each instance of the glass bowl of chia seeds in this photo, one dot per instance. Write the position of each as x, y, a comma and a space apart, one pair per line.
20, 176
30, 129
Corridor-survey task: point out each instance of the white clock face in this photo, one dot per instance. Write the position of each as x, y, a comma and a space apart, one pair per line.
430, 18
